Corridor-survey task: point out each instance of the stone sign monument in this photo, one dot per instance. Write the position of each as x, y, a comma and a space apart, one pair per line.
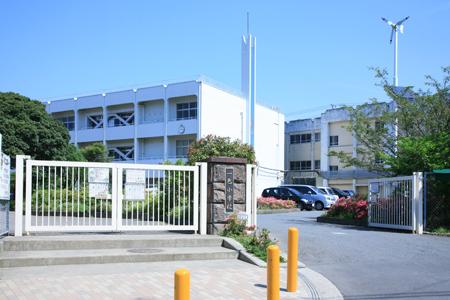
226, 190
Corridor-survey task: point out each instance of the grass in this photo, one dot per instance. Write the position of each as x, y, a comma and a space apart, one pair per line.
441, 230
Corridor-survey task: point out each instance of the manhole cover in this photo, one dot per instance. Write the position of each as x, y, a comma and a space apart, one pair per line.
144, 250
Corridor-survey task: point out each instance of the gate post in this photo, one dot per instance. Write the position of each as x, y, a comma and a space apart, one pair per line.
418, 201
18, 219
203, 169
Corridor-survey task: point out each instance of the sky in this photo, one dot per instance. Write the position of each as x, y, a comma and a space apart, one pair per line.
310, 54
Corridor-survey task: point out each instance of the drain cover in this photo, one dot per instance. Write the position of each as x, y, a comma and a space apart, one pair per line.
144, 250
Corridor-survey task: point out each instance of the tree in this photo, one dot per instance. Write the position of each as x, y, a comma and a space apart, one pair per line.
28, 129
212, 145
95, 152
421, 120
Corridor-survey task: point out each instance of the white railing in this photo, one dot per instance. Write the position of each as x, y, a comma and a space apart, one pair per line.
80, 196
396, 203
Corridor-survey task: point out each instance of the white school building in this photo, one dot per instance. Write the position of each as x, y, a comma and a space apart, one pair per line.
157, 123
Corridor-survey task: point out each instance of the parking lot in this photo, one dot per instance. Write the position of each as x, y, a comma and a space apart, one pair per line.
367, 263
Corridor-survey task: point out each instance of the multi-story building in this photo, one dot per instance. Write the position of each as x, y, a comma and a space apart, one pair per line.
158, 123
308, 143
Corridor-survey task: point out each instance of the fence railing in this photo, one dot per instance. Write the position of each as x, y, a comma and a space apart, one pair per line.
80, 196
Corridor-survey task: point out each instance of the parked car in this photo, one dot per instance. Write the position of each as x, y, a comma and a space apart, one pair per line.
328, 191
321, 201
284, 193
340, 193
351, 193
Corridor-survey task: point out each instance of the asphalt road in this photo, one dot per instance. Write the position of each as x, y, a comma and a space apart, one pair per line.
365, 263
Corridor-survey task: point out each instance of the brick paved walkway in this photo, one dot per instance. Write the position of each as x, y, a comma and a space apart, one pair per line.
222, 279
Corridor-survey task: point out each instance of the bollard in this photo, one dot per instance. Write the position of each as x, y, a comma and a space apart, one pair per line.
182, 285
273, 272
292, 267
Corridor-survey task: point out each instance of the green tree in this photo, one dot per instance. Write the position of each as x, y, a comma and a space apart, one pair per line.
95, 152
28, 129
212, 145
422, 119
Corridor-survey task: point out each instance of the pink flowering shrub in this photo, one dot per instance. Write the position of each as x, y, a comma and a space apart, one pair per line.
273, 203
348, 209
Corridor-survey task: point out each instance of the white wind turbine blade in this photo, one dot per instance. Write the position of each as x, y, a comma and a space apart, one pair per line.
392, 35
402, 21
388, 22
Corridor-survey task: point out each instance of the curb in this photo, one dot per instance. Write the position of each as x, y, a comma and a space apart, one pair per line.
318, 285
277, 211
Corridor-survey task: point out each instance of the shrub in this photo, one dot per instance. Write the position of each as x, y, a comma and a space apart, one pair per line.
273, 203
349, 209
213, 145
255, 243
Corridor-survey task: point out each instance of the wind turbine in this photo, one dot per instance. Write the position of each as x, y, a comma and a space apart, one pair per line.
396, 27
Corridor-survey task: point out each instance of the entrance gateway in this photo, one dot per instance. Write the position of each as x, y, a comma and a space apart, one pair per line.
62, 196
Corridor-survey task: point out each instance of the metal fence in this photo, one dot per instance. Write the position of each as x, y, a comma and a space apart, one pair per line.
437, 201
5, 166
391, 203
79, 196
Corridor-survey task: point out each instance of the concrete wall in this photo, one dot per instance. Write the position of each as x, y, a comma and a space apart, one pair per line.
222, 113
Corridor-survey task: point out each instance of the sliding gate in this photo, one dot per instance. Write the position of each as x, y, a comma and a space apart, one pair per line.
65, 196
396, 203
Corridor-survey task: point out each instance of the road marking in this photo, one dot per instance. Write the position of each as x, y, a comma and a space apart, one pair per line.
339, 233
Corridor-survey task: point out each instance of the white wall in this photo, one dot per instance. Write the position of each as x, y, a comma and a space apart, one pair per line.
221, 113
269, 147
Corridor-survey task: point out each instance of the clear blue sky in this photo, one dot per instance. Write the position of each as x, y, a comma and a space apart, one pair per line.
310, 54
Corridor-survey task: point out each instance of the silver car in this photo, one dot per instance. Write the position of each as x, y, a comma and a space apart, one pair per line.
321, 201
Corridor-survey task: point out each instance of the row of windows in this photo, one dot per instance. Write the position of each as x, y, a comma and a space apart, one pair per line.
304, 165
304, 138
185, 111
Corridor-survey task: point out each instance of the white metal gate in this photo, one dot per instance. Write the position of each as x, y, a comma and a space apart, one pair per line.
80, 196
396, 202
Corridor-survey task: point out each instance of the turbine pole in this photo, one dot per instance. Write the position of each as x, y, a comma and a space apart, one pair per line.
396, 58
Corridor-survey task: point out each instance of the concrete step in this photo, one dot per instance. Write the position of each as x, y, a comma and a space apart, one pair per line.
107, 241
11, 259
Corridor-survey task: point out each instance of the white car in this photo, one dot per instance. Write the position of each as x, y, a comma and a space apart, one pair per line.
328, 191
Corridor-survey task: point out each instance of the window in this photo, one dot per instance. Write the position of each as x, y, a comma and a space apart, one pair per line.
95, 121
182, 148
317, 164
295, 165
305, 165
301, 138
295, 139
317, 137
305, 138
334, 140
334, 168
69, 122
186, 111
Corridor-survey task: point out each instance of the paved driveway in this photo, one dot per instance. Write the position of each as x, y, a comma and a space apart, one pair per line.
369, 264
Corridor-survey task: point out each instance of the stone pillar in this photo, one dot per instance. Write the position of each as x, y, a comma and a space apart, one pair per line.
219, 208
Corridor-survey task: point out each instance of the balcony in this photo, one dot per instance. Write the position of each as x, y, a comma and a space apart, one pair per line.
154, 128
90, 135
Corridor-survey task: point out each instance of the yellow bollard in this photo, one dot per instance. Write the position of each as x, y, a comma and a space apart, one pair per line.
292, 269
182, 285
273, 273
